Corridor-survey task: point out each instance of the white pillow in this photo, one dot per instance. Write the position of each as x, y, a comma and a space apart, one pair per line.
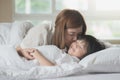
106, 43
107, 60
18, 32
38, 35
5, 33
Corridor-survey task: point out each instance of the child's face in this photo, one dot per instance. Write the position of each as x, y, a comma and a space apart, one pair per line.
78, 48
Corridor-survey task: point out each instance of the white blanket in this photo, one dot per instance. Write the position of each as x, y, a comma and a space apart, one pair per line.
12, 65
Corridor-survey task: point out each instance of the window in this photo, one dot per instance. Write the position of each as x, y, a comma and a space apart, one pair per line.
76, 4
107, 5
33, 6
102, 16
104, 29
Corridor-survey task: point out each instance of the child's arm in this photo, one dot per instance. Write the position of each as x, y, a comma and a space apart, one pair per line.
42, 60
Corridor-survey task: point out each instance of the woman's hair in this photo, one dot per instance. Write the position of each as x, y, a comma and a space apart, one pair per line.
93, 44
67, 18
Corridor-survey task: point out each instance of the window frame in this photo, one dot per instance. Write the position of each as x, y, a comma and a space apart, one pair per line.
90, 14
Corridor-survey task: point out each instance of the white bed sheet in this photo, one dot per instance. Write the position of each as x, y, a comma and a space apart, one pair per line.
100, 76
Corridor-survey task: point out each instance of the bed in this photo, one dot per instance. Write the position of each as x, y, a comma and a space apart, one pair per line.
102, 65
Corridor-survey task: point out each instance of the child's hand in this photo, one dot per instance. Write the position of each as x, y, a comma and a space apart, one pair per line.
42, 60
35, 53
26, 53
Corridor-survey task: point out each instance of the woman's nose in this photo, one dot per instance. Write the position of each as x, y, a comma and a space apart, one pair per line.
75, 38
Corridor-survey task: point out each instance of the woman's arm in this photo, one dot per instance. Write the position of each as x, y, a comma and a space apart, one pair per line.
24, 53
42, 60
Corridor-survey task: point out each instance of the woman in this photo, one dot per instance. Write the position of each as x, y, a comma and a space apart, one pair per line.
69, 25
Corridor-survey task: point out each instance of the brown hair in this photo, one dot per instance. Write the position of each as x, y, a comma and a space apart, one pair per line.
67, 18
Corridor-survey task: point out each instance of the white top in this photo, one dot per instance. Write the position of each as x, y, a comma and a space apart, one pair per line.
56, 55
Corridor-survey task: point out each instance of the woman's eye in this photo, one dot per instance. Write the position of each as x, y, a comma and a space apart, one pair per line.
71, 34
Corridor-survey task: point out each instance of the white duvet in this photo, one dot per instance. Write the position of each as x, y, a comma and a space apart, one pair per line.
17, 68
12, 65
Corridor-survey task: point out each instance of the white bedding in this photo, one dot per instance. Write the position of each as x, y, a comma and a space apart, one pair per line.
13, 33
4, 33
17, 68
101, 76
12, 65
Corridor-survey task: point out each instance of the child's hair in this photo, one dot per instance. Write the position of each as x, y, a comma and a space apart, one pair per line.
93, 44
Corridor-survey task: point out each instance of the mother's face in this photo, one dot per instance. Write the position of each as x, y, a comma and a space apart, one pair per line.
71, 35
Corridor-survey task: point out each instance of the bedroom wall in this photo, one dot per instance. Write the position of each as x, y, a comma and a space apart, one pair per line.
5, 10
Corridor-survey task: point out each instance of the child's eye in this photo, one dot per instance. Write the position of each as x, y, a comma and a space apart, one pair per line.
81, 47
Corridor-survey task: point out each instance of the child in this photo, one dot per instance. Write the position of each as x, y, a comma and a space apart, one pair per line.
84, 46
